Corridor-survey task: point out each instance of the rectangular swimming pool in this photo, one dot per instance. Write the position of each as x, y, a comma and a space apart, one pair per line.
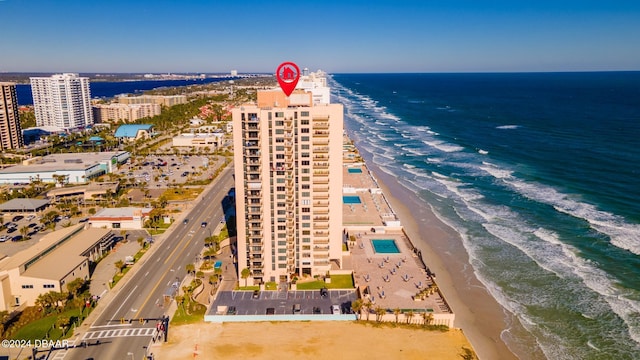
351, 199
354, 170
385, 246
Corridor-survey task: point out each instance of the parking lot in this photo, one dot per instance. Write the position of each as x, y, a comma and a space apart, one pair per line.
282, 302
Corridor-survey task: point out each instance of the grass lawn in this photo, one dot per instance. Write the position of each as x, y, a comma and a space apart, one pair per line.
37, 330
194, 315
182, 194
250, 288
337, 282
271, 285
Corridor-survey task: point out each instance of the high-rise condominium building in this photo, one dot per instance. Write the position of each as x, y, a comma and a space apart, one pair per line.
62, 100
288, 181
10, 130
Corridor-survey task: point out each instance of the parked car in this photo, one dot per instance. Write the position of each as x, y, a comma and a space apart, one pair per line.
185, 221
317, 310
271, 311
256, 294
335, 309
297, 309
231, 310
17, 218
17, 238
204, 224
4, 238
10, 230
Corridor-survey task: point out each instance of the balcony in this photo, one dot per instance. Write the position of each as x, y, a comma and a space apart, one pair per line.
320, 125
320, 165
320, 141
320, 133
320, 196
320, 149
320, 225
320, 180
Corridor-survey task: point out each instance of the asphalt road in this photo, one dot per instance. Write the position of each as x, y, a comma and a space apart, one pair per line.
143, 295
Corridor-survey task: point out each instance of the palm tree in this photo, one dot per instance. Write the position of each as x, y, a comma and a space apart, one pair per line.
357, 307
396, 312
368, 305
427, 318
380, 312
409, 315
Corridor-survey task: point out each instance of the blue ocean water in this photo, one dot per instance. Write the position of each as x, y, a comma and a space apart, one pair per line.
540, 174
100, 89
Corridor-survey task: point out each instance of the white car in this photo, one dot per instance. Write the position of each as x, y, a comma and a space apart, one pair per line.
335, 309
3, 238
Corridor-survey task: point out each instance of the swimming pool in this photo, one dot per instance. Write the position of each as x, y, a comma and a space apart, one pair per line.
385, 246
354, 170
351, 199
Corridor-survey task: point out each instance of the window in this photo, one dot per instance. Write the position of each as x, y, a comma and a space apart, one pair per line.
304, 122
306, 239
279, 131
282, 212
304, 138
305, 202
280, 156
306, 217
305, 171
305, 155
306, 194
281, 196
279, 123
280, 180
304, 147
280, 188
280, 114
304, 113
305, 178
48, 286
282, 228
304, 130
27, 286
305, 186
306, 225
305, 162
280, 148
306, 210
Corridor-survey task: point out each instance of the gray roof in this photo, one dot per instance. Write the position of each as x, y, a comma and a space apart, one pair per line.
23, 204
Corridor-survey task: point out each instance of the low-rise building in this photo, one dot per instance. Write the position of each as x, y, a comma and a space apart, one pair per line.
57, 259
164, 100
124, 112
121, 218
133, 132
66, 168
211, 140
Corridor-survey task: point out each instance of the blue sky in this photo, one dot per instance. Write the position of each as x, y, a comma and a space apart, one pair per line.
336, 36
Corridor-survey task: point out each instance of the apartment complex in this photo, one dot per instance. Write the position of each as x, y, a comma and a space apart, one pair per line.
288, 181
10, 131
164, 100
124, 112
62, 100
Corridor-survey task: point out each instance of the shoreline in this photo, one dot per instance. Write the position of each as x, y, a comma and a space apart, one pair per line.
478, 314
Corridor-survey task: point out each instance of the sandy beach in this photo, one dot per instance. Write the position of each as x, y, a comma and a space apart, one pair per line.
477, 313
309, 340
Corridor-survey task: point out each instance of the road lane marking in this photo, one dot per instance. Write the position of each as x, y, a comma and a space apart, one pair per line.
125, 300
184, 247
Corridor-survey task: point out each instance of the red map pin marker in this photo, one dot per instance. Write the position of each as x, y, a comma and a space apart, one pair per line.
288, 75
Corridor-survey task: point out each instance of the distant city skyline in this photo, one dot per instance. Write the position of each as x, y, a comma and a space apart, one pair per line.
335, 36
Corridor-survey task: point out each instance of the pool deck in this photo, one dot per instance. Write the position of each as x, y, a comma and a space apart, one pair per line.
389, 281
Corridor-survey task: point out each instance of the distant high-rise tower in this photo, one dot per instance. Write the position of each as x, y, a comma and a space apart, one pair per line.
10, 130
62, 100
288, 181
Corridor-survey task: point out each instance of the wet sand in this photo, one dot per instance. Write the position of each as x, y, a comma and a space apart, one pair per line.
478, 314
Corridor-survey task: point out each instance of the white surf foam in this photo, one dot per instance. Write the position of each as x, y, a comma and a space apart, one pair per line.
507, 127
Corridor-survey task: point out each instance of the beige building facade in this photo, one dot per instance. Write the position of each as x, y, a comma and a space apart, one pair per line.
288, 174
59, 258
124, 112
164, 100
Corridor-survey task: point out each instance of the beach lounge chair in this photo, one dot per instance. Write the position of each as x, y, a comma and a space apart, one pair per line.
393, 271
386, 278
419, 285
381, 265
405, 277
404, 259
382, 294
386, 259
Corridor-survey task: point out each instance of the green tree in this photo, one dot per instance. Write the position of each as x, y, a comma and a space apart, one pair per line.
380, 312
245, 273
396, 312
75, 286
427, 318
357, 307
119, 265
409, 315
191, 268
